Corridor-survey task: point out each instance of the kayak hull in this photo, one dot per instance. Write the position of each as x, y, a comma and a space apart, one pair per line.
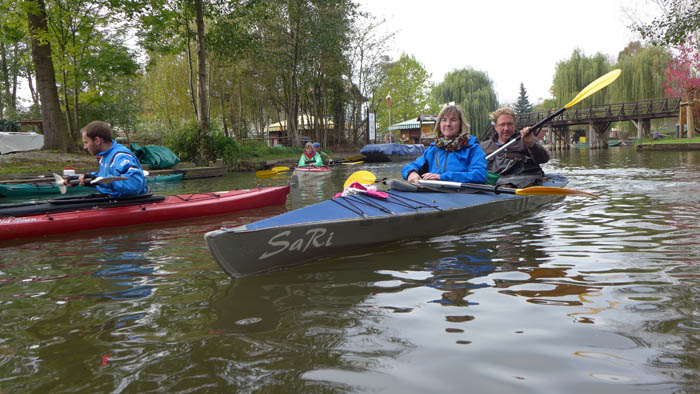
170, 208
50, 188
302, 171
349, 223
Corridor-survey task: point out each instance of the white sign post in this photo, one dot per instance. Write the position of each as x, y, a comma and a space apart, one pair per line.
372, 128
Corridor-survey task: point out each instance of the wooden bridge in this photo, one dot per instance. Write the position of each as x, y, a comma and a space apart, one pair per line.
599, 117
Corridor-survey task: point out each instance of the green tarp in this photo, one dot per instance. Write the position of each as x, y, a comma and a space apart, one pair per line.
155, 156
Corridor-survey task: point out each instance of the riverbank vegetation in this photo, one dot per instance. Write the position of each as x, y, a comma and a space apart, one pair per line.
209, 79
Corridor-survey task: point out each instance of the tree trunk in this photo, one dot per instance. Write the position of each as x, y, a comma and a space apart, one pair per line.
189, 64
54, 125
32, 91
689, 115
4, 96
202, 89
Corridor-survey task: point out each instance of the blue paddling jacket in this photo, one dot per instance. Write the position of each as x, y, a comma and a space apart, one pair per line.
466, 165
119, 161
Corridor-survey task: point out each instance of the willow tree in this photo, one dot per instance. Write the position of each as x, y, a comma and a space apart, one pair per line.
642, 73
572, 75
473, 91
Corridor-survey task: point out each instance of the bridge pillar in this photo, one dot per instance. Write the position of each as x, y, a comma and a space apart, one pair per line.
598, 132
643, 127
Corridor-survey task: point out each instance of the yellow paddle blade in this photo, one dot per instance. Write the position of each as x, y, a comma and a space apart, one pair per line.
265, 173
354, 158
552, 191
352, 163
595, 86
363, 177
280, 169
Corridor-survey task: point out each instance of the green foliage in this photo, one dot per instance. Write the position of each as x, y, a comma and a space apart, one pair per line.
574, 74
410, 88
8, 125
680, 19
523, 105
473, 91
184, 142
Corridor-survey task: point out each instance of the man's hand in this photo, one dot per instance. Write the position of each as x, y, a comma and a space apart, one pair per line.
528, 137
81, 179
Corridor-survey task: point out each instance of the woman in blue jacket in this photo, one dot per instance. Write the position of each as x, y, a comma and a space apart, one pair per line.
454, 156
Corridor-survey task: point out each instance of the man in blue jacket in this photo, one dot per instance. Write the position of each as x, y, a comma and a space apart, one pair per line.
115, 160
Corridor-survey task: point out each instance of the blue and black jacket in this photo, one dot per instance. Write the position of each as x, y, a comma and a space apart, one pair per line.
119, 161
466, 165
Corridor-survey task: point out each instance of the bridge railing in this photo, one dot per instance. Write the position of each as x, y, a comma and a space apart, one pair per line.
607, 112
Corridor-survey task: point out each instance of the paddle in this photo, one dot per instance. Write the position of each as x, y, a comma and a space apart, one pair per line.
362, 177
528, 191
366, 178
345, 163
104, 180
592, 87
272, 172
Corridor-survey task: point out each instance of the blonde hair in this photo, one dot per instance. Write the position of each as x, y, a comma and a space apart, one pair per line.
449, 109
502, 111
308, 145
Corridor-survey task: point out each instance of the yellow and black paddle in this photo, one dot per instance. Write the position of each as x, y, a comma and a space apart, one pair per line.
592, 87
367, 178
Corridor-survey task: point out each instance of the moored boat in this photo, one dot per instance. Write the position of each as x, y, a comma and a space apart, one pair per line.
336, 226
381, 153
50, 188
68, 215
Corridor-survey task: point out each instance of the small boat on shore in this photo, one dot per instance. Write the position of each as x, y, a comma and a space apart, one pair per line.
73, 214
357, 221
50, 188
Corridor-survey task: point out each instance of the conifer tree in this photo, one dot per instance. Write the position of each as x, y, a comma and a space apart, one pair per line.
523, 105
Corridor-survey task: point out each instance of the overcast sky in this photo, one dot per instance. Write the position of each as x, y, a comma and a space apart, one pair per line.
513, 41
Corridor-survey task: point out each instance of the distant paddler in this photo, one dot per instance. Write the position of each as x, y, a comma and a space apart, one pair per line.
310, 157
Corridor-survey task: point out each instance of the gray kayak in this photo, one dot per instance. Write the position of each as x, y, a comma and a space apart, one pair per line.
337, 226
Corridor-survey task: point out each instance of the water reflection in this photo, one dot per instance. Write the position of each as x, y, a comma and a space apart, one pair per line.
582, 296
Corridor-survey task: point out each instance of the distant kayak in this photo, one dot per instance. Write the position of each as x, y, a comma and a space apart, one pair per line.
50, 188
310, 170
74, 214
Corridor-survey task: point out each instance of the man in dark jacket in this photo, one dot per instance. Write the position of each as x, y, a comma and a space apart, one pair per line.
520, 161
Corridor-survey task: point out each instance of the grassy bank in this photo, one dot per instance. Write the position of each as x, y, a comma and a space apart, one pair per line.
670, 141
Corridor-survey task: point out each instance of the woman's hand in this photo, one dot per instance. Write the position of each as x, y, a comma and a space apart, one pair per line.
413, 178
431, 176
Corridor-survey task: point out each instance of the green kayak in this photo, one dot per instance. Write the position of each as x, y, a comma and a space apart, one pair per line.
49, 188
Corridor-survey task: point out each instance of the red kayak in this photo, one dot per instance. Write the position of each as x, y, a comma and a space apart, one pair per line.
129, 212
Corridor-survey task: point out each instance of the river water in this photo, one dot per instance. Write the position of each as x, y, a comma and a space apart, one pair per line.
583, 296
